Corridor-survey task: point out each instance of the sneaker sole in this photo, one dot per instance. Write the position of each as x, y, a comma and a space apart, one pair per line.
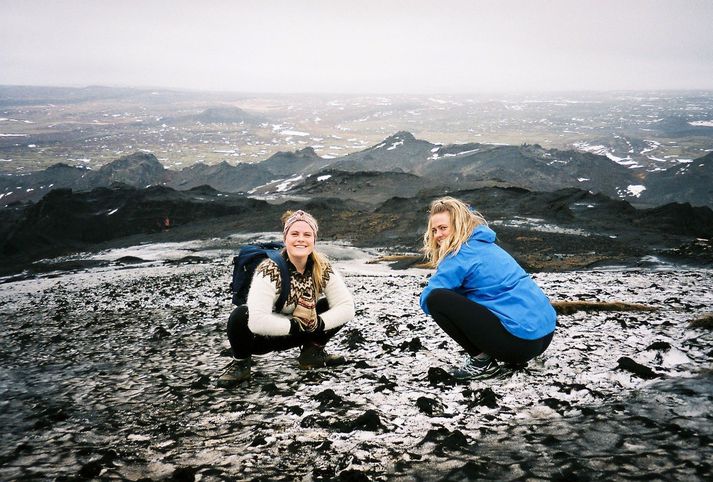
492, 373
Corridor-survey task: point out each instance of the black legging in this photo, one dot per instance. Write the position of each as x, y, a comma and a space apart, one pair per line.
245, 343
477, 329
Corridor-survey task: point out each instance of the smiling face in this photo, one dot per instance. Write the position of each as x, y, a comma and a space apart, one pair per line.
441, 227
299, 241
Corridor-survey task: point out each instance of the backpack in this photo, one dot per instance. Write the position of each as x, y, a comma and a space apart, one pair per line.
244, 265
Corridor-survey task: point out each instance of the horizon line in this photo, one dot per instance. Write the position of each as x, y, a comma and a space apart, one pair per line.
373, 93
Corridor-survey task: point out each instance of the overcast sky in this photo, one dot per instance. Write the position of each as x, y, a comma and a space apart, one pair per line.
360, 46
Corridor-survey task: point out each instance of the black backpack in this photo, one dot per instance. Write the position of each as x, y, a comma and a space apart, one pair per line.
244, 265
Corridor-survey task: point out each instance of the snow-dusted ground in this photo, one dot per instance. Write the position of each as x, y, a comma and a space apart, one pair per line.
109, 372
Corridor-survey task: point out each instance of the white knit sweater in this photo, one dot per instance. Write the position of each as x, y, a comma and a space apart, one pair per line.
265, 289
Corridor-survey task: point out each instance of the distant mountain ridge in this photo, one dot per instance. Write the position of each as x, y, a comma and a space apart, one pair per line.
528, 166
455, 166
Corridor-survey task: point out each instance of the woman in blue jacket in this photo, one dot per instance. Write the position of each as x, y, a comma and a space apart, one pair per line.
479, 295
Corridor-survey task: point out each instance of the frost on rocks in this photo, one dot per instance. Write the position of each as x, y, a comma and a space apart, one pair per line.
112, 370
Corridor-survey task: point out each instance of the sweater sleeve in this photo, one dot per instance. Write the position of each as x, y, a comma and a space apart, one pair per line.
341, 303
450, 275
263, 294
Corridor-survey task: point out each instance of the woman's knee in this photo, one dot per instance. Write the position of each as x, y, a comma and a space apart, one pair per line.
238, 320
546, 340
437, 298
239, 334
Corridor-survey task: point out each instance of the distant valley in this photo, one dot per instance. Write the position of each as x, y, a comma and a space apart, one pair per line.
92, 126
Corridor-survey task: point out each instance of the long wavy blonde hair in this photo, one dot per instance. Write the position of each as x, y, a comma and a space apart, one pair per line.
463, 221
320, 264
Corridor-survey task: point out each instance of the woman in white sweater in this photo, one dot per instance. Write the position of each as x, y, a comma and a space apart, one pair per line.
318, 305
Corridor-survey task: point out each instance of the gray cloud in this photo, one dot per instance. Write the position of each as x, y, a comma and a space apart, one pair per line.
359, 46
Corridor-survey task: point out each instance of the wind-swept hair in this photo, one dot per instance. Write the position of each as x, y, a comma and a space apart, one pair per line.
463, 221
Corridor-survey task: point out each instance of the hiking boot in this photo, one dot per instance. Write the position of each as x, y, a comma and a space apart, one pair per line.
314, 356
236, 372
476, 368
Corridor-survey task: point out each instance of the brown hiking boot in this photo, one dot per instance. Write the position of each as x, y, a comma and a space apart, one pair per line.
236, 372
314, 356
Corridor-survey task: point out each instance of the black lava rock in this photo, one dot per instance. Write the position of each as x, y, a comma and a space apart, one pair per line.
438, 376
641, 371
328, 398
429, 406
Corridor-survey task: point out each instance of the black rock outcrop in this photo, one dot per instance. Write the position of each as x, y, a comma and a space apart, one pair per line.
691, 182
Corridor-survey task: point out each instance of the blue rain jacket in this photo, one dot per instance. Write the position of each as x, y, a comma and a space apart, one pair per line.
484, 273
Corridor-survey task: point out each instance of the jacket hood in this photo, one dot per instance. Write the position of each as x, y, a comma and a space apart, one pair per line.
483, 234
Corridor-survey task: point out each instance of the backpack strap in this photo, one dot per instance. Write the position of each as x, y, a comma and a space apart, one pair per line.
284, 277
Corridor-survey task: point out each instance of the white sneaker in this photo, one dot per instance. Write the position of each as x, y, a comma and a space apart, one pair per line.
475, 368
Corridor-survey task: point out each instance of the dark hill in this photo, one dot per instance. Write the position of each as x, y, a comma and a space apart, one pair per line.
400, 152
677, 218
374, 187
535, 168
228, 114
65, 221
366, 187
288, 164
223, 177
138, 169
34, 185
691, 182
224, 114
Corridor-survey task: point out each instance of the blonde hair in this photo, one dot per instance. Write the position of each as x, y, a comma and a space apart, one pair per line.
463, 220
320, 264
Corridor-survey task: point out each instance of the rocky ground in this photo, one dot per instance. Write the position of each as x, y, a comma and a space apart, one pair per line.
108, 372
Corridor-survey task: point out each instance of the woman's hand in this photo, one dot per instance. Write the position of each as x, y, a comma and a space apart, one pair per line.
306, 313
314, 325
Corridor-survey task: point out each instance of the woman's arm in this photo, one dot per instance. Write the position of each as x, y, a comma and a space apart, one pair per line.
263, 294
341, 303
449, 275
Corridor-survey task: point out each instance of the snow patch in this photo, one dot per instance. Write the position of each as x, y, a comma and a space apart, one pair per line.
395, 145
536, 224
293, 133
287, 183
601, 150
635, 190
